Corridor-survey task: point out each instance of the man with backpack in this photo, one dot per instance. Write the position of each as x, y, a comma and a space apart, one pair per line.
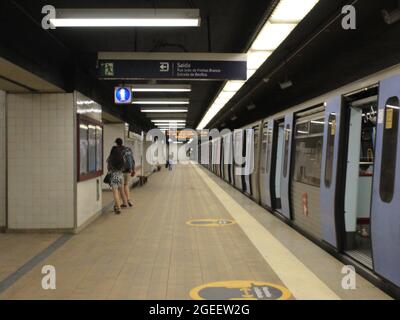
128, 171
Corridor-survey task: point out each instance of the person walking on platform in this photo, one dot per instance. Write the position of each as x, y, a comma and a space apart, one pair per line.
115, 165
128, 171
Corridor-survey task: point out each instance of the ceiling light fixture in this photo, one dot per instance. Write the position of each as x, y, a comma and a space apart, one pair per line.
160, 88
283, 20
126, 18
161, 101
168, 121
164, 110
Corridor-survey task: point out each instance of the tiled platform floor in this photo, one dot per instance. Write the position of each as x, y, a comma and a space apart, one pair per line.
150, 252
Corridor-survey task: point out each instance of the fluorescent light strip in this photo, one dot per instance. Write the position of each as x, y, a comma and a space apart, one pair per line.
292, 10
164, 110
173, 127
168, 121
234, 86
272, 35
158, 102
161, 88
126, 18
124, 22
277, 28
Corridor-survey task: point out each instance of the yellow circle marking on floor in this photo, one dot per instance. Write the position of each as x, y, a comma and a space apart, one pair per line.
210, 223
240, 290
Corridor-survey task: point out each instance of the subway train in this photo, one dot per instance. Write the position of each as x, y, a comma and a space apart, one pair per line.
330, 168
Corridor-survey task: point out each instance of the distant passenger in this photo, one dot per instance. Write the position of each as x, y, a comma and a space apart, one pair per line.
171, 157
115, 165
128, 171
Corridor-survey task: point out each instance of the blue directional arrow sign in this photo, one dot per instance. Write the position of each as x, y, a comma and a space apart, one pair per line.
122, 95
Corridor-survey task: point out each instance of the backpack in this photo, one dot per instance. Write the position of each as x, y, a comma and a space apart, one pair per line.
116, 159
129, 162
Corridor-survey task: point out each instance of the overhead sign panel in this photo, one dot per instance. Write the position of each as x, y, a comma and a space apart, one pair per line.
183, 66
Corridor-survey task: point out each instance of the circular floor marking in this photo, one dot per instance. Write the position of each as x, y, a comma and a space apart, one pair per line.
210, 222
240, 290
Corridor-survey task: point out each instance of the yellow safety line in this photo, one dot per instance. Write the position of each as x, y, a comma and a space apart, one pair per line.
300, 280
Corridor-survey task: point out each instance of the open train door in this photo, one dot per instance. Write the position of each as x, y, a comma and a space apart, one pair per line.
385, 216
329, 169
286, 165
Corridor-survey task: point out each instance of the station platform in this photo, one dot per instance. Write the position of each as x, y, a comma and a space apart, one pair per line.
188, 236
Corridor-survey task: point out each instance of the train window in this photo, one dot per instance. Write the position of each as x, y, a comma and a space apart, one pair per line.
286, 154
254, 152
238, 157
308, 152
264, 150
330, 149
269, 150
303, 129
389, 149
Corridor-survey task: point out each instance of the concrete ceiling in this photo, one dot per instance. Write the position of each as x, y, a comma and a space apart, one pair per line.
15, 79
68, 56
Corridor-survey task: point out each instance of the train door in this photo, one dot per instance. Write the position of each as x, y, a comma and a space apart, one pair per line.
286, 166
386, 191
217, 149
330, 180
248, 138
210, 154
230, 159
198, 154
280, 140
305, 183
361, 110
220, 158
214, 156
238, 154
226, 158
223, 173
254, 155
245, 175
282, 168
266, 164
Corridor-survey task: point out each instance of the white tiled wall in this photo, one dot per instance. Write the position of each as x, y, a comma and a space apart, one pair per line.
40, 161
89, 199
2, 158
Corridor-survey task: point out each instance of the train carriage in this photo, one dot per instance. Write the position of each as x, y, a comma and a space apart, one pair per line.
329, 167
